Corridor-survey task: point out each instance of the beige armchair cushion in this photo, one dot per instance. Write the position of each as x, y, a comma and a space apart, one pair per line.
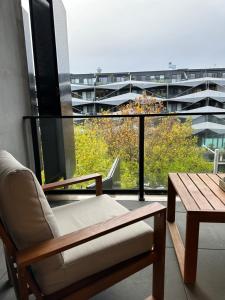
98, 254
24, 210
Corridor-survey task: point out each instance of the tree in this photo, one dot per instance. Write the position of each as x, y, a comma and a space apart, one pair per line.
169, 145
91, 151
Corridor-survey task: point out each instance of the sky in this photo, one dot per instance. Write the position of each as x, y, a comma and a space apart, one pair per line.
139, 35
143, 35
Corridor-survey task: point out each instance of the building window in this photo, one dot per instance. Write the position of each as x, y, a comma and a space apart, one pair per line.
103, 79
179, 106
88, 95
91, 80
84, 95
76, 80
152, 77
192, 76
220, 143
178, 91
173, 107
162, 77
174, 78
85, 80
90, 109
178, 77
120, 78
223, 75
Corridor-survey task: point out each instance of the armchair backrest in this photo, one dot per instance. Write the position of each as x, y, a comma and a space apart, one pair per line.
24, 209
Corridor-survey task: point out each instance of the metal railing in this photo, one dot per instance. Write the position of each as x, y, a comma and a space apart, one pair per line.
112, 178
141, 140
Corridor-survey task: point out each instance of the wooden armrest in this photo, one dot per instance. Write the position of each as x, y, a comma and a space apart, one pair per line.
74, 180
45, 249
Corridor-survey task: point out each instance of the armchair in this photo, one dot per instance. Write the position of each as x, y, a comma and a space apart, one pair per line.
76, 250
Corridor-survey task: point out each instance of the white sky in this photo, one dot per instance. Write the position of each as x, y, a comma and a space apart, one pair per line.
138, 35
135, 35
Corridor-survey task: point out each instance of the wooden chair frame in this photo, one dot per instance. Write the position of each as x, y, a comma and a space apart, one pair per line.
19, 262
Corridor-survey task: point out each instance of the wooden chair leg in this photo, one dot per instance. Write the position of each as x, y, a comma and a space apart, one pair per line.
9, 272
159, 264
22, 282
12, 273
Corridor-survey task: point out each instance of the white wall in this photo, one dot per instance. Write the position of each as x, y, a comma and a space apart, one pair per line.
14, 88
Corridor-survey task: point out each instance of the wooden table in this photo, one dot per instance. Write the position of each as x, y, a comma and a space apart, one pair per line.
204, 201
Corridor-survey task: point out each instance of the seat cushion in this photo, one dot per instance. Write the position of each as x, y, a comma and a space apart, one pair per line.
98, 254
24, 209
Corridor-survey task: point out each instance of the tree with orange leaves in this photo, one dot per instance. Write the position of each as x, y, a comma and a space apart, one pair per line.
169, 144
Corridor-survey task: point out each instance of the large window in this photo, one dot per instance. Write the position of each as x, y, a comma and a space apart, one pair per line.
214, 143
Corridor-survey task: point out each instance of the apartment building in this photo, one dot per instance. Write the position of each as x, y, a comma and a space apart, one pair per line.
181, 91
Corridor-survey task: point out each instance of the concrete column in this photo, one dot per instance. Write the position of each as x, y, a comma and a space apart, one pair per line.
14, 87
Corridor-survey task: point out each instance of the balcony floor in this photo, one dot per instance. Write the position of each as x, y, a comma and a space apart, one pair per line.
210, 275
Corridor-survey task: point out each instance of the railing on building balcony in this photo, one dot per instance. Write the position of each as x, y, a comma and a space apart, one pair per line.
148, 147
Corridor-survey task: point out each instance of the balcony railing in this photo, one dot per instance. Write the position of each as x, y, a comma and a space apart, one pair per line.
148, 147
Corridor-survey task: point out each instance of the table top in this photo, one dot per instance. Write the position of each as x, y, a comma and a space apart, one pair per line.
199, 191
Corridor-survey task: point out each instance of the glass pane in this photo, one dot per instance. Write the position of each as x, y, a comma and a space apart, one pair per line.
56, 148
108, 146
175, 144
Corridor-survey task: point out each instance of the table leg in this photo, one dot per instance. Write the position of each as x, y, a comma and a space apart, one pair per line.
171, 202
191, 248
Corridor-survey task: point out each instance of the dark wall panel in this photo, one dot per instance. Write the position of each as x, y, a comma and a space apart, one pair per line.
45, 57
52, 88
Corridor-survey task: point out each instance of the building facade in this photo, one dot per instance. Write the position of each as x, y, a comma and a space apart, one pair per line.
181, 90
159, 76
